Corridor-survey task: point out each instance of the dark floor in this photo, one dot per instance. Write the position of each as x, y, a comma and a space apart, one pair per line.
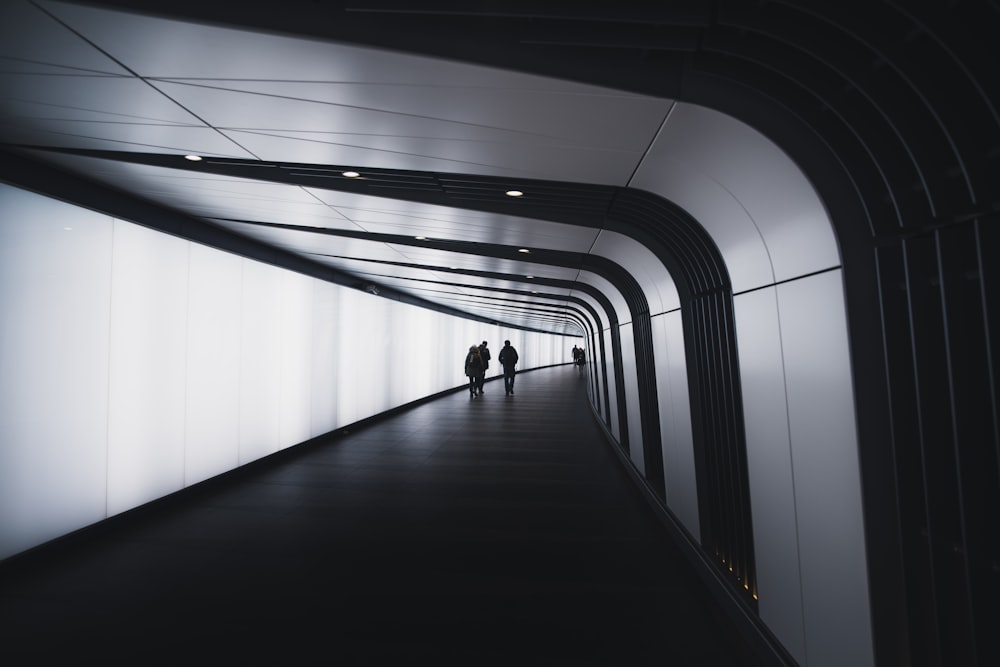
497, 530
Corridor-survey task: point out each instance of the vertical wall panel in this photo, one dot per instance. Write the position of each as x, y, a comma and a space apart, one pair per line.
364, 353
825, 469
323, 364
635, 444
260, 368
295, 316
212, 412
675, 420
769, 464
55, 291
945, 527
612, 385
149, 300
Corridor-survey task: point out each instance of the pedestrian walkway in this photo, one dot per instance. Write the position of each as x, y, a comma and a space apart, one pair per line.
496, 530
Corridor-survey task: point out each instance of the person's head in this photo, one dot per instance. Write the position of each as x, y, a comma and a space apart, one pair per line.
506, 342
473, 349
484, 343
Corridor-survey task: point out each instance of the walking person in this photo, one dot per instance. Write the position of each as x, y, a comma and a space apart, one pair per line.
484, 353
474, 369
508, 359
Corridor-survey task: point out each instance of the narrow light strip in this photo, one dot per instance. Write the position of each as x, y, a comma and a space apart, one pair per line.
514, 193
351, 174
193, 158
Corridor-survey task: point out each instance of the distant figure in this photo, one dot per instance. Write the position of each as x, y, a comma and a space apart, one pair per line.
474, 369
576, 355
485, 354
580, 358
508, 359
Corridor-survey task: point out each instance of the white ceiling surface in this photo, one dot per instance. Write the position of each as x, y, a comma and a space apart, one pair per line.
83, 77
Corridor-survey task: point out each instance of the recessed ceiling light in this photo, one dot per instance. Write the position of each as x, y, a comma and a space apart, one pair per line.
529, 277
420, 238
514, 193
523, 250
351, 174
193, 158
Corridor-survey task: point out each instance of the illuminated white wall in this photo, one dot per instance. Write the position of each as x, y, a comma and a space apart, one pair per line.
148, 361
55, 263
212, 386
135, 363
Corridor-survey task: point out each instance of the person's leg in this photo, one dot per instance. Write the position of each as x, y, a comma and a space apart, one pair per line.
472, 385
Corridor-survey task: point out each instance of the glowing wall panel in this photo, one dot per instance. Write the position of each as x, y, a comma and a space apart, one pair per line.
769, 464
323, 362
136, 363
631, 384
212, 384
826, 471
365, 353
149, 316
675, 420
260, 365
55, 290
294, 348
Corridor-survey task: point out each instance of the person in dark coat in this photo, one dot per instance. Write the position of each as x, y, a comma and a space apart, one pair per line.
508, 359
485, 354
474, 369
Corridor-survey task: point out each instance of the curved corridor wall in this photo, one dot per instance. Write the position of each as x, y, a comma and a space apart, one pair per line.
135, 364
793, 372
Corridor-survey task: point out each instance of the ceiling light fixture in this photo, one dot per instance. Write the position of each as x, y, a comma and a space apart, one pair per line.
193, 158
514, 193
420, 238
351, 174
523, 250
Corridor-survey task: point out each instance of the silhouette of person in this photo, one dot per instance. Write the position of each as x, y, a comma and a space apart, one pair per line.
485, 354
474, 369
508, 359
576, 354
580, 359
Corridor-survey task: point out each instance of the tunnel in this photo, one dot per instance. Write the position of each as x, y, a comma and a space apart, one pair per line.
228, 232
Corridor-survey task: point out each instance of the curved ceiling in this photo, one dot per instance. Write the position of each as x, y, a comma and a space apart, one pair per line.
443, 110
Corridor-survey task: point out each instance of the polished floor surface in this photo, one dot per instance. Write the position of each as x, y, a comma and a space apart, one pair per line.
496, 530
